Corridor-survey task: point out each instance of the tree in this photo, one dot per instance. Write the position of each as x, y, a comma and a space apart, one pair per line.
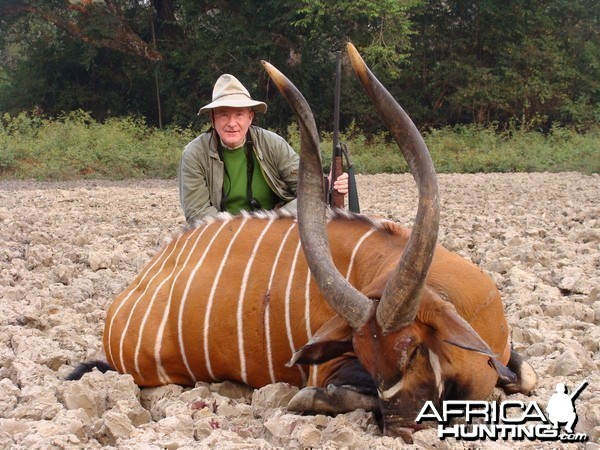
490, 61
379, 28
98, 22
448, 62
66, 55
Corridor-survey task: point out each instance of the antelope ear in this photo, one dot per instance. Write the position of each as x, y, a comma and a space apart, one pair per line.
333, 339
451, 327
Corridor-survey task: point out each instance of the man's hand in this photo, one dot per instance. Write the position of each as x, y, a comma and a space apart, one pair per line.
341, 184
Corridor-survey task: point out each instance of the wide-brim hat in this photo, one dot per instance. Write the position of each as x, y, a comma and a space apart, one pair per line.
228, 91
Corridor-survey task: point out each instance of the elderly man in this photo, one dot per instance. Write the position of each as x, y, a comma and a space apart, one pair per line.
238, 166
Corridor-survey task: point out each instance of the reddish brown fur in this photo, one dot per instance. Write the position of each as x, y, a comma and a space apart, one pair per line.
451, 278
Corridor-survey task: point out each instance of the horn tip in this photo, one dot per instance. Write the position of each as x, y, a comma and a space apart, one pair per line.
273, 72
358, 63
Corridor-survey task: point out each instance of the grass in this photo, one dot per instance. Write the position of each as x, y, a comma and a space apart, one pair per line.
75, 147
474, 149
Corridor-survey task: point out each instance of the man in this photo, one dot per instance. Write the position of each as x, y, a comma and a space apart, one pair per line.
561, 408
238, 166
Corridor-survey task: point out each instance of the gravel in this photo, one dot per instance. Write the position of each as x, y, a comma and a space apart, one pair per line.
67, 249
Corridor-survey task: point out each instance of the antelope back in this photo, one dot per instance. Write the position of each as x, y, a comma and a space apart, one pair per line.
232, 299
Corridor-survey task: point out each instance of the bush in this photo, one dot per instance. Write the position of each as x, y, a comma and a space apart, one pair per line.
76, 146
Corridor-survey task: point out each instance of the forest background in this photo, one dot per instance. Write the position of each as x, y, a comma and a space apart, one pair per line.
111, 88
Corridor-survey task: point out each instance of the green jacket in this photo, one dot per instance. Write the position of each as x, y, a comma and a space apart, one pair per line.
201, 172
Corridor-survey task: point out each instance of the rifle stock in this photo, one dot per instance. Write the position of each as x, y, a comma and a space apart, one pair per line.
336, 199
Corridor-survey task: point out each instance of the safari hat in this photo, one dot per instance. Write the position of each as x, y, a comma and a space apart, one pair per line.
228, 91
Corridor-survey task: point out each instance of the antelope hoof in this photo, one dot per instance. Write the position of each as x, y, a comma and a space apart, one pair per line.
527, 378
331, 400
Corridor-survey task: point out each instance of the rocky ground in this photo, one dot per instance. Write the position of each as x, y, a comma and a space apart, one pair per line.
67, 249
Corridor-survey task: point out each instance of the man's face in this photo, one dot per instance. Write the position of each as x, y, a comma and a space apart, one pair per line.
232, 124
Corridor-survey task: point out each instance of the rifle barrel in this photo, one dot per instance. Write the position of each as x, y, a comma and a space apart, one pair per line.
335, 198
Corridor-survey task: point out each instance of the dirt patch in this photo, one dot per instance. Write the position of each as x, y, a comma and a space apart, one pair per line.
67, 249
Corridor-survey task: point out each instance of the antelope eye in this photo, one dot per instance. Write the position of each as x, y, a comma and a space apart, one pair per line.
407, 358
413, 355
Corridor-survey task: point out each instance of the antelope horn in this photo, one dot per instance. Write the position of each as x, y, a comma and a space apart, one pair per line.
345, 300
401, 297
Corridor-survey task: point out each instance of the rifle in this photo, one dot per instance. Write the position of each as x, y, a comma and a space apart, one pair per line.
577, 391
334, 198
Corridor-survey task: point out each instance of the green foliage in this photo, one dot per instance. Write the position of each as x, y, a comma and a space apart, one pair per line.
472, 149
76, 146
488, 62
381, 28
451, 62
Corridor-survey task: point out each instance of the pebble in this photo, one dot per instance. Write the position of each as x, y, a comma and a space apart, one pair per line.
537, 235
